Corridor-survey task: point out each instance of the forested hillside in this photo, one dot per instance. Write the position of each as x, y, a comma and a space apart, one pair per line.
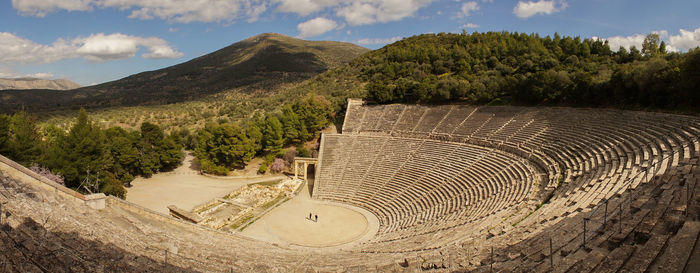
517, 68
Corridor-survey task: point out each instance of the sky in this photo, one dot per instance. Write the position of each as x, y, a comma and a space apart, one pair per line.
95, 41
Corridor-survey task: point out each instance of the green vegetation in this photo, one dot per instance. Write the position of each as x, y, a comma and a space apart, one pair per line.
224, 146
113, 156
242, 220
517, 68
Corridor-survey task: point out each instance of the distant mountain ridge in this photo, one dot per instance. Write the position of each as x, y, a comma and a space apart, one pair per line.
260, 63
35, 83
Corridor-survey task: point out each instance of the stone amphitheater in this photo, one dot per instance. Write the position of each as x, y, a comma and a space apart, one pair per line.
454, 188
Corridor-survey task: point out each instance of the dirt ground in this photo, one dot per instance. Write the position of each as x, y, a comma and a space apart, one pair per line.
183, 187
337, 225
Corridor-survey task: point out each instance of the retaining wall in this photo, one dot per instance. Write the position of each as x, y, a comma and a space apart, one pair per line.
21, 173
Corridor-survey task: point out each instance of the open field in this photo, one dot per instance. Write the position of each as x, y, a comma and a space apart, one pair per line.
183, 187
337, 224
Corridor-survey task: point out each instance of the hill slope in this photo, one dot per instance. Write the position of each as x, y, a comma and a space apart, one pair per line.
514, 68
34, 83
262, 62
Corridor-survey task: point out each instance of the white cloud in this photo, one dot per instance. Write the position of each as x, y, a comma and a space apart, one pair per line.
616, 42
16, 49
40, 8
303, 7
378, 41
372, 11
315, 27
101, 47
530, 8
40, 75
254, 10
183, 11
470, 25
8, 73
161, 51
97, 47
467, 8
685, 40
354, 12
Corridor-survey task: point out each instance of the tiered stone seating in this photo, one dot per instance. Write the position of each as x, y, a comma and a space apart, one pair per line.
584, 157
447, 183
421, 186
657, 233
38, 231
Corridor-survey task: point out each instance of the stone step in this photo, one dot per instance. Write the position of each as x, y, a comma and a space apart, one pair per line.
614, 260
590, 261
678, 250
645, 254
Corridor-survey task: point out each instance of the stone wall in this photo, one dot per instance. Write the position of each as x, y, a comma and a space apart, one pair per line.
21, 173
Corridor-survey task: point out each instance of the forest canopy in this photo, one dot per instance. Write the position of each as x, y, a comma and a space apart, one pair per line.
526, 69
108, 158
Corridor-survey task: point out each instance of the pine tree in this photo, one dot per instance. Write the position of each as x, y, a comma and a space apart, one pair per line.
24, 145
122, 147
78, 153
4, 134
650, 46
273, 135
150, 147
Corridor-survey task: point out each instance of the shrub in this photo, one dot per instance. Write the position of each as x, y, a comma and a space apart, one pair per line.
289, 155
278, 165
211, 168
114, 187
47, 173
263, 168
302, 151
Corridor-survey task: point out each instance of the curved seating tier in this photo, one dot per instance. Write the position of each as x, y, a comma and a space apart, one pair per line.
417, 186
586, 156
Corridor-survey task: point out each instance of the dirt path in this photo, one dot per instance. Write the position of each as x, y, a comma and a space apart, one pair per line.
183, 187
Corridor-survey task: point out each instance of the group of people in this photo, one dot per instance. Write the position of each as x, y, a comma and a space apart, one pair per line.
315, 219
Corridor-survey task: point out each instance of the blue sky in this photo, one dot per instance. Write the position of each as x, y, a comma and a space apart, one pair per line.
93, 41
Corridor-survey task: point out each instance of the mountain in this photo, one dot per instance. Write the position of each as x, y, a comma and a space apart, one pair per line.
34, 83
260, 64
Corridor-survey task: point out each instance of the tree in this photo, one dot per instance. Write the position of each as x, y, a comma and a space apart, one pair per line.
623, 54
635, 55
78, 153
272, 135
650, 46
255, 136
662, 48
122, 148
4, 134
24, 143
224, 145
294, 131
150, 148
170, 154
